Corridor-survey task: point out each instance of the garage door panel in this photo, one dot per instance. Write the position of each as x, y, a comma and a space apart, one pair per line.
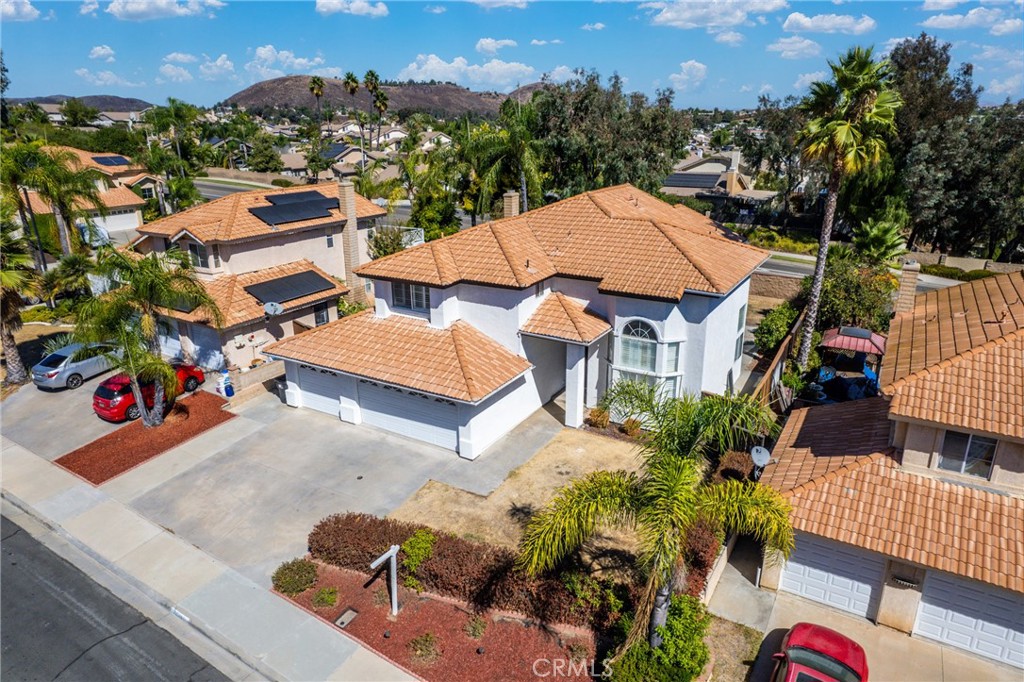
411, 414
321, 390
834, 574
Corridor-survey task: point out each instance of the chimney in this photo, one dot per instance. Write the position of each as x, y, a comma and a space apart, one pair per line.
511, 204
908, 287
350, 240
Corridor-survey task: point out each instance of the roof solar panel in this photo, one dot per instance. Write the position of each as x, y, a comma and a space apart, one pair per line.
111, 160
855, 332
697, 180
289, 213
296, 197
289, 288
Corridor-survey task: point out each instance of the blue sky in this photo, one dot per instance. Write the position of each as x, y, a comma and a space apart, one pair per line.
721, 53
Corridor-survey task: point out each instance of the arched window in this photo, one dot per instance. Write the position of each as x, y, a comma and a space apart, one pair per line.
638, 346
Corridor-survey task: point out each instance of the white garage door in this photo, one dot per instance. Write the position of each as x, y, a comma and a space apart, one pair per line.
832, 573
981, 618
321, 390
207, 351
170, 343
410, 414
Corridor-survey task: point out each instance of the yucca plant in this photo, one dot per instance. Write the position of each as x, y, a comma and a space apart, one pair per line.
879, 241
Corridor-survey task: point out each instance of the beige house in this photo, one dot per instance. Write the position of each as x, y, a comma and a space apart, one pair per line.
273, 260
909, 507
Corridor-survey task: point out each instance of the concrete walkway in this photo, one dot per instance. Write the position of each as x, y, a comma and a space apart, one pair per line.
273, 638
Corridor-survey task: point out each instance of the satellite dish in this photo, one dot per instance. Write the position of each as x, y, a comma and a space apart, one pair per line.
273, 308
760, 455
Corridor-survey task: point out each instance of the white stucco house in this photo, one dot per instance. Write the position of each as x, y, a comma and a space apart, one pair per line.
472, 333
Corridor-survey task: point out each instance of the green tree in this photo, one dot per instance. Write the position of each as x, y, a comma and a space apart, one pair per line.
371, 81
351, 83
176, 118
316, 88
369, 185
129, 315
878, 241
71, 277
721, 137
854, 294
386, 241
511, 152
264, 157
67, 187
76, 113
666, 497
17, 279
380, 105
849, 119
183, 193
313, 150
5, 82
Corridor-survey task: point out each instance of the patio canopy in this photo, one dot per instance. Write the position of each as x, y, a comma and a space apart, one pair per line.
854, 339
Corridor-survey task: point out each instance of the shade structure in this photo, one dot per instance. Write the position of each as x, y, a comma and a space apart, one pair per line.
854, 339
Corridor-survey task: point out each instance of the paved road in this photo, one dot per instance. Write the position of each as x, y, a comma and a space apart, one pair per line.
57, 624
216, 190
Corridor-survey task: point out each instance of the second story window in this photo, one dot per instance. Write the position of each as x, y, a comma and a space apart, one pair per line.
148, 193
411, 297
198, 254
638, 346
330, 237
968, 454
215, 256
320, 314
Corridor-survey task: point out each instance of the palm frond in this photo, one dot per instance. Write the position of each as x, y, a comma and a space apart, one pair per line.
751, 509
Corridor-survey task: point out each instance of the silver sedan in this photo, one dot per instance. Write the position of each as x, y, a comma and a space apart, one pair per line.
61, 369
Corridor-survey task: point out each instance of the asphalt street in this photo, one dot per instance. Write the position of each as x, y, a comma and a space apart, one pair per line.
57, 624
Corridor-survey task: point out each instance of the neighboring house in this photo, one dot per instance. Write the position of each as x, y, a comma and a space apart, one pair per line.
128, 119
53, 112
716, 178
909, 507
348, 127
288, 247
390, 137
433, 139
474, 332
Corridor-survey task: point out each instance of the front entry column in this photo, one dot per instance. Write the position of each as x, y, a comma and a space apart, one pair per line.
593, 373
575, 384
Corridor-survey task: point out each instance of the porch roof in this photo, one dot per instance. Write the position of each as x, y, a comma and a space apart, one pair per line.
564, 318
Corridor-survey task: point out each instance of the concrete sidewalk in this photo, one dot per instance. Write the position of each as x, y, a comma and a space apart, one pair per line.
271, 636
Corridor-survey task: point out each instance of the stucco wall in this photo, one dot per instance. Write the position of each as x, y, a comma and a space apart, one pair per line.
486, 423
722, 328
242, 257
119, 222
548, 359
899, 600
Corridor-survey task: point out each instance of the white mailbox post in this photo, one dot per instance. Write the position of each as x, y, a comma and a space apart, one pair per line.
391, 554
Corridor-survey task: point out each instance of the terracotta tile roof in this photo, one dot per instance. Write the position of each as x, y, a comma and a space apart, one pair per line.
85, 160
868, 501
239, 307
561, 317
459, 362
627, 240
228, 218
981, 389
117, 197
956, 357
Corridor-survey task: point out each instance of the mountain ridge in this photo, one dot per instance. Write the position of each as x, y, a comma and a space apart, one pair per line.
101, 102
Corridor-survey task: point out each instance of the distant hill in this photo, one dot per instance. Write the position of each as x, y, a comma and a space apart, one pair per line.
101, 102
439, 99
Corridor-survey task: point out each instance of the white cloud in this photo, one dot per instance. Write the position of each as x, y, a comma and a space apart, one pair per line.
181, 58
490, 46
89, 7
795, 47
1007, 27
765, 88
1012, 87
732, 38
362, 8
18, 10
104, 78
979, 17
805, 79
435, 9
144, 10
495, 72
560, 74
829, 23
554, 41
492, 4
745, 88
992, 53
104, 52
721, 14
691, 74
940, 5
175, 74
890, 45
217, 69
269, 62
597, 26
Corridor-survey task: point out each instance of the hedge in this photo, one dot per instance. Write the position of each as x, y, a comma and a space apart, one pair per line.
481, 575
950, 272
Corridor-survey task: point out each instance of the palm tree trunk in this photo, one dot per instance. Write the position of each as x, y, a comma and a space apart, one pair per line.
659, 614
522, 187
156, 415
814, 299
62, 230
40, 259
16, 372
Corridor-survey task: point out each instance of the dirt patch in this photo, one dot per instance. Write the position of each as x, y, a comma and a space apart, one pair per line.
734, 648
507, 649
30, 340
500, 517
131, 445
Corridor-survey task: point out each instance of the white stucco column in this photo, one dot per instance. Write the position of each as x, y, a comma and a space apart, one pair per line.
575, 384
593, 373
467, 448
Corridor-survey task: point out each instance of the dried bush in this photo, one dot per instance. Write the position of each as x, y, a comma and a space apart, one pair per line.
631, 427
292, 577
425, 648
598, 417
475, 627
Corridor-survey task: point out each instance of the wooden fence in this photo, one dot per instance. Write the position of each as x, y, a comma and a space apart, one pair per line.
772, 379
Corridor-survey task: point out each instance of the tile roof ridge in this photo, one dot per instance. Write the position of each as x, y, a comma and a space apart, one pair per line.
683, 251
840, 472
456, 331
562, 301
952, 360
500, 239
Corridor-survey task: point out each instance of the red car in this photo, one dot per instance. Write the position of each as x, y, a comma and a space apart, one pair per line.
114, 400
812, 653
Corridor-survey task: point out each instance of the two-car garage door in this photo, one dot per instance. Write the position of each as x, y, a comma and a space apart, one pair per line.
833, 573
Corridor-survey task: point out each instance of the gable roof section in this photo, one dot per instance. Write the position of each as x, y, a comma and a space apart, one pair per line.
628, 241
564, 318
228, 218
458, 362
869, 502
239, 306
115, 197
85, 160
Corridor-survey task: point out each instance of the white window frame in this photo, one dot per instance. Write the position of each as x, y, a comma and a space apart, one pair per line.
198, 254
412, 297
633, 347
321, 314
967, 449
214, 256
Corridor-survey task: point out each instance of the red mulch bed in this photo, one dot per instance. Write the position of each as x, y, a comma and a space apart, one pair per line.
511, 646
131, 445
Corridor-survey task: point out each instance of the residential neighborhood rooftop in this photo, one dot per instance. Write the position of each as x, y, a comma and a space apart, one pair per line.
115, 197
563, 318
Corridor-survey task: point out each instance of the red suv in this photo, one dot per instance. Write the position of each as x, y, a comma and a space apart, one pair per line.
114, 400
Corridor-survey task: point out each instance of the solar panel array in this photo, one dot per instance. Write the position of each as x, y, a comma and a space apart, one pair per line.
289, 287
294, 207
693, 180
111, 160
855, 332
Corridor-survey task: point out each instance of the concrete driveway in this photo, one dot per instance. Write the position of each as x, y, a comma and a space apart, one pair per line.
52, 423
249, 491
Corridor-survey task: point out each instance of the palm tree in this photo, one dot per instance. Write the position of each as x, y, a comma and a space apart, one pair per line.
316, 88
68, 188
143, 286
380, 105
371, 81
71, 276
667, 497
510, 151
850, 118
879, 241
351, 83
17, 279
18, 165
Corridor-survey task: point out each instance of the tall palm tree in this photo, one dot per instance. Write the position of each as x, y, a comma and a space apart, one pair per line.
371, 81
510, 151
662, 501
143, 286
850, 118
69, 189
17, 279
18, 164
316, 88
380, 105
351, 83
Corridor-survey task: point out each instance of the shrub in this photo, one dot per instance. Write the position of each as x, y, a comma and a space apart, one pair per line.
950, 272
639, 665
425, 648
698, 205
854, 295
346, 308
796, 242
326, 596
475, 627
418, 549
577, 650
701, 551
683, 648
972, 275
37, 314
381, 597
292, 577
774, 327
631, 427
278, 182
598, 417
